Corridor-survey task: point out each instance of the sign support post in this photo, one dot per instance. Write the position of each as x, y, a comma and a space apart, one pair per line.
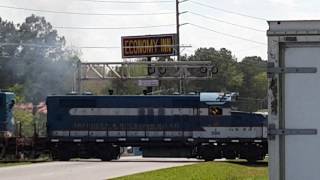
177, 44
149, 88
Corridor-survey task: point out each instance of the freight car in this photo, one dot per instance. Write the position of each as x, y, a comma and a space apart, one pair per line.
7, 124
195, 126
12, 144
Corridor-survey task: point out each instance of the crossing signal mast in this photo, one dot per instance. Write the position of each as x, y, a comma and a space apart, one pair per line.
160, 45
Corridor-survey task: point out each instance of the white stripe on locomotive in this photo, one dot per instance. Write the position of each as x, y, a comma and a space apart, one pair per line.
209, 132
141, 111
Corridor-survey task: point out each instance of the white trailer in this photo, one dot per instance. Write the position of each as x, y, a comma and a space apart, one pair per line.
294, 100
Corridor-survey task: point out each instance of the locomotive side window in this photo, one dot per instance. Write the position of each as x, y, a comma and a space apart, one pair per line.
11, 105
215, 111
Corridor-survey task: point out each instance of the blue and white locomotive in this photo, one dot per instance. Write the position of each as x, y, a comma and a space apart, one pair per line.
203, 126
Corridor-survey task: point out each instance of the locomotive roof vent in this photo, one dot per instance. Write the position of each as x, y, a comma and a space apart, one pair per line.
176, 93
72, 93
192, 93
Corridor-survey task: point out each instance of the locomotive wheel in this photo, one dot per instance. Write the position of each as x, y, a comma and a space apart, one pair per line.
208, 159
3, 148
106, 158
2, 152
60, 153
64, 158
110, 153
209, 152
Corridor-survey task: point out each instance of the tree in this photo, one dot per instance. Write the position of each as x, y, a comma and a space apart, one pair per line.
8, 34
229, 76
125, 87
254, 89
40, 62
25, 120
19, 91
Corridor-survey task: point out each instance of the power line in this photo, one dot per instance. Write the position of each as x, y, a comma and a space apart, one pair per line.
227, 11
226, 22
30, 45
97, 47
87, 14
118, 47
226, 34
82, 47
128, 2
55, 46
110, 28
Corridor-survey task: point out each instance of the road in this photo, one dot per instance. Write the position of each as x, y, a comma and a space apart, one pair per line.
89, 169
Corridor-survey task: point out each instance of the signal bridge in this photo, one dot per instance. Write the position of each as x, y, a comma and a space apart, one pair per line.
145, 70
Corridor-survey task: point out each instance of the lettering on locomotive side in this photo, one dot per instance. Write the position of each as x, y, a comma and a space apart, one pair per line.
148, 46
215, 132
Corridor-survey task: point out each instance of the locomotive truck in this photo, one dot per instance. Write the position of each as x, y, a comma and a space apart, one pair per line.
202, 126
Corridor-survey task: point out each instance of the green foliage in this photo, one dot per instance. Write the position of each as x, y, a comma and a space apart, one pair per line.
254, 87
24, 118
18, 90
124, 87
205, 171
260, 84
40, 121
228, 78
248, 77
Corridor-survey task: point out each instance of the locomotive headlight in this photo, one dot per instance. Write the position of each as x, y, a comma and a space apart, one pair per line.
214, 111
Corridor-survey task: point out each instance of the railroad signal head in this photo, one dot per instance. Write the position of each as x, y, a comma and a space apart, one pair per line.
110, 91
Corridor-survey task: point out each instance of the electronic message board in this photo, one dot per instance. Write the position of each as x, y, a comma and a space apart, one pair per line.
148, 46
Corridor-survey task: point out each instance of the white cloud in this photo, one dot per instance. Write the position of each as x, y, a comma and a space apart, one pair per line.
285, 2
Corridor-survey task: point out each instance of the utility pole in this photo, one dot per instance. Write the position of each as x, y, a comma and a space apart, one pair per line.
149, 88
178, 30
178, 43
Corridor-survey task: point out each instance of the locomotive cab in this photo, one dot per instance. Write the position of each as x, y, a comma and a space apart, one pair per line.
219, 104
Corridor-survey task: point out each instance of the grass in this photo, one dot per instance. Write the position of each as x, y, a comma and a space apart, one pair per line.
207, 171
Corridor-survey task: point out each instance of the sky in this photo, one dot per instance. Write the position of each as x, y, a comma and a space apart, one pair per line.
243, 41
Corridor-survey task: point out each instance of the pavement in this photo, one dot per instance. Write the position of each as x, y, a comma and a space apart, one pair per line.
89, 169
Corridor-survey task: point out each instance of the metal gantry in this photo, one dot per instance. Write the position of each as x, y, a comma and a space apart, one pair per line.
142, 70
